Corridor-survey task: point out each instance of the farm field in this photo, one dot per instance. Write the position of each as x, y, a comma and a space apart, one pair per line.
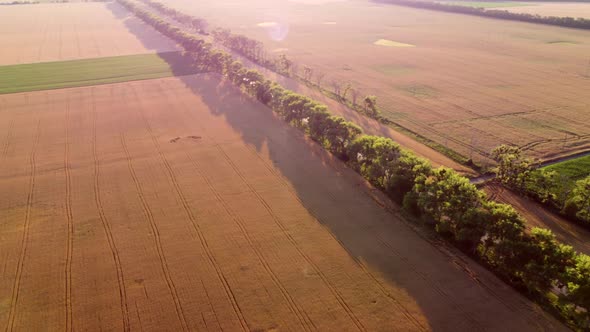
467, 89
574, 169
488, 4
74, 73
68, 31
562, 9
178, 203
565, 9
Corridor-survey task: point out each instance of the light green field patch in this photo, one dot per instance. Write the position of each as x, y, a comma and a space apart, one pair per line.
574, 169
391, 43
419, 91
393, 69
67, 74
488, 4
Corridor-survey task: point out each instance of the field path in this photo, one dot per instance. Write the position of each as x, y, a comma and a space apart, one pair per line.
181, 204
538, 216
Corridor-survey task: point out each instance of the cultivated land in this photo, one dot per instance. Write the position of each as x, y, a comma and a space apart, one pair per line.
469, 89
566, 9
64, 74
55, 32
574, 169
177, 203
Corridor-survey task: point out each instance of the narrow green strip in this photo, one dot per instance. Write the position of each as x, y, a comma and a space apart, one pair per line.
574, 169
75, 73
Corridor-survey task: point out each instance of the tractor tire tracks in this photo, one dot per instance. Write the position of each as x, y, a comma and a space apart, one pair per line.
107, 227
25, 238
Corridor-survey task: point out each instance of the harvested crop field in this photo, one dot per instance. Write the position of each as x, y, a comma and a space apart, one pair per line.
468, 89
177, 203
67, 31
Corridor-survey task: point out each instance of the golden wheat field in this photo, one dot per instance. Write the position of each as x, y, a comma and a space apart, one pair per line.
68, 31
178, 204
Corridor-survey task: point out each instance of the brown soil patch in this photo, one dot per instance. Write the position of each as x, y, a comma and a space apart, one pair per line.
54, 32
241, 224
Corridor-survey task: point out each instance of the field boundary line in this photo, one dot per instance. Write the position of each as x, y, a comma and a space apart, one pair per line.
156, 234
106, 225
25, 237
193, 220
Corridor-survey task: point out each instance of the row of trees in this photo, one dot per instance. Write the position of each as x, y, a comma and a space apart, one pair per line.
570, 22
198, 24
255, 51
447, 201
547, 186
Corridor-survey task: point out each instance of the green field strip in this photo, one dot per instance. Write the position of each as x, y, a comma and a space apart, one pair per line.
76, 73
574, 169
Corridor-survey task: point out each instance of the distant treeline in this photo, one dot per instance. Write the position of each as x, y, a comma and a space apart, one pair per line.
569, 22
19, 3
533, 261
13, 3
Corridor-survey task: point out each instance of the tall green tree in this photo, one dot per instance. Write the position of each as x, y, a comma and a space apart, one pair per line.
513, 168
578, 204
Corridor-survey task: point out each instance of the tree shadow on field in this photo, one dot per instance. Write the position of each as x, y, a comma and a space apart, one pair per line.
397, 267
150, 39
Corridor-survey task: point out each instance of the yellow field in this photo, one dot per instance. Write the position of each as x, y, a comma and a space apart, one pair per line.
53, 32
469, 83
178, 204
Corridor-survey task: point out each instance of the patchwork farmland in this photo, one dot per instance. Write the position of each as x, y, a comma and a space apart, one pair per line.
466, 89
142, 191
